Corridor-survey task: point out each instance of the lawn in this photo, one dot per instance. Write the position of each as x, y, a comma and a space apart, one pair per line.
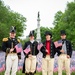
38, 73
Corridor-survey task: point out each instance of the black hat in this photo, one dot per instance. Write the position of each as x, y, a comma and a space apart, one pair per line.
13, 29
48, 33
62, 32
31, 33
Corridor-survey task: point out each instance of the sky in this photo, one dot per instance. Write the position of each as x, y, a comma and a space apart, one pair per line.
30, 8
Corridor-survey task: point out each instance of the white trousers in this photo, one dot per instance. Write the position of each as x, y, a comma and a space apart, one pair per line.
30, 64
63, 61
47, 65
11, 63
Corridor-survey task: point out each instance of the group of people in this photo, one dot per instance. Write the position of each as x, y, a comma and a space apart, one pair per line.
48, 49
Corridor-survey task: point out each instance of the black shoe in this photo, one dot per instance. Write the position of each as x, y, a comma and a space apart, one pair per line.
31, 73
27, 74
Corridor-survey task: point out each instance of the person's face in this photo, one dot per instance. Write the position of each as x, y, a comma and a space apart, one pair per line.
63, 36
12, 35
48, 37
31, 37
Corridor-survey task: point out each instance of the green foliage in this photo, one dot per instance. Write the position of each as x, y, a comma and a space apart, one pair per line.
24, 40
42, 33
43, 30
10, 18
62, 21
65, 21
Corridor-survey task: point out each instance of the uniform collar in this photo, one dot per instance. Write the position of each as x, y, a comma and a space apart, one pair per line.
32, 41
48, 40
63, 39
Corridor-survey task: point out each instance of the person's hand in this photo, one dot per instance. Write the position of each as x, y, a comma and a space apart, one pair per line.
68, 56
46, 50
12, 49
19, 57
62, 51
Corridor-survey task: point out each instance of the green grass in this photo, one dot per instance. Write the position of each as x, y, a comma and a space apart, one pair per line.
37, 73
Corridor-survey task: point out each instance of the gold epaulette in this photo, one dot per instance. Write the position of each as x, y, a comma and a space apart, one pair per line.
18, 40
5, 39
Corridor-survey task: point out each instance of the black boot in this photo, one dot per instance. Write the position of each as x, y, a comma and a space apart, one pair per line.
27, 74
31, 73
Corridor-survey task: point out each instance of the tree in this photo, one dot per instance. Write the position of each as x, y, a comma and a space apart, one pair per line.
10, 18
65, 22
57, 25
42, 32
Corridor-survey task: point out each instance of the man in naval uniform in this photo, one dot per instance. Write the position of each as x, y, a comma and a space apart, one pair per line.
8, 46
64, 54
48, 50
30, 62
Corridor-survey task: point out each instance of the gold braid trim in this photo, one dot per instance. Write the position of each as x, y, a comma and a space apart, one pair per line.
5, 39
18, 40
